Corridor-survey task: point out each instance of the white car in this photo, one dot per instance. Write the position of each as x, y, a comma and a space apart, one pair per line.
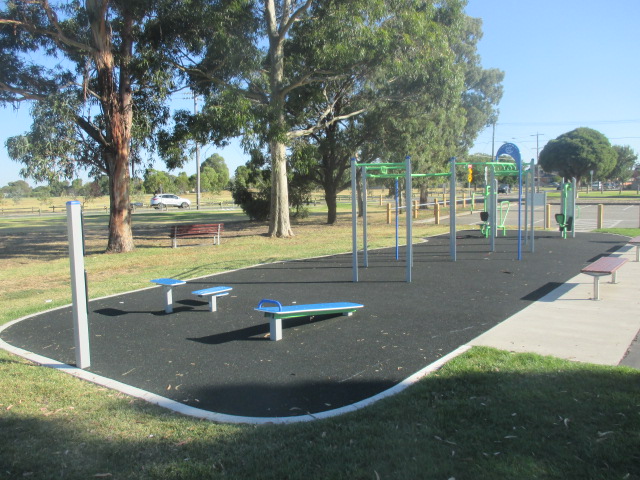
169, 199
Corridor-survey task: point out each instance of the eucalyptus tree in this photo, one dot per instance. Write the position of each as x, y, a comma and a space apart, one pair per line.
96, 93
424, 93
293, 47
626, 159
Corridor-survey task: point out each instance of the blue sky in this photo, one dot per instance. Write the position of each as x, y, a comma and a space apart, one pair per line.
567, 64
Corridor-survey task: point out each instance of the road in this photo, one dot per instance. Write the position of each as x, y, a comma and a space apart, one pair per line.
615, 216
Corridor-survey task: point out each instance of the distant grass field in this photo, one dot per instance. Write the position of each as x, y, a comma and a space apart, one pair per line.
487, 414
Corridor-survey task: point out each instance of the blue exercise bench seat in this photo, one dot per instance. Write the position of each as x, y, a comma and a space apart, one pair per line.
213, 293
277, 312
168, 284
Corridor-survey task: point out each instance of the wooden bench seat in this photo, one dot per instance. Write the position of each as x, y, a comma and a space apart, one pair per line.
278, 312
197, 230
636, 241
601, 267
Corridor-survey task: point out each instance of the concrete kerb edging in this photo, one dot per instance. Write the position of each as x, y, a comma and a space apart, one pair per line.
214, 416
205, 414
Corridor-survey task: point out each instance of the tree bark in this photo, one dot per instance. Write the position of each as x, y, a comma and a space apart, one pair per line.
279, 221
330, 197
116, 102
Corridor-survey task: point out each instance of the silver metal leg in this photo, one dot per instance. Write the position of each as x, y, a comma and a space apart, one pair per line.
596, 287
213, 304
168, 295
275, 329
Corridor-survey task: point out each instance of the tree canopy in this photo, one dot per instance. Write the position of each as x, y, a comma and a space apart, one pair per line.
577, 153
98, 95
626, 160
307, 83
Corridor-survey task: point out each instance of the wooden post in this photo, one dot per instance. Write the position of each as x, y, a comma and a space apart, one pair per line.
415, 209
547, 216
436, 213
388, 213
600, 219
464, 199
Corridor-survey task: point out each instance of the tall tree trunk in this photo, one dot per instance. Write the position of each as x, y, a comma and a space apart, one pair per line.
120, 234
424, 196
279, 222
330, 196
118, 115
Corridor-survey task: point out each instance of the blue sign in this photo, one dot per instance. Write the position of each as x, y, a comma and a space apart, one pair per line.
511, 150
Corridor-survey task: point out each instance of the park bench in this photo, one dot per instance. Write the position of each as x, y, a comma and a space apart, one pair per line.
636, 241
167, 286
213, 293
212, 230
278, 312
601, 267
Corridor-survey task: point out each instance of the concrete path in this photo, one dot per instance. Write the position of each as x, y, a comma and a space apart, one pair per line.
567, 323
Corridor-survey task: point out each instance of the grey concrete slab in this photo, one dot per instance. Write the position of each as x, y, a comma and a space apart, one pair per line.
567, 323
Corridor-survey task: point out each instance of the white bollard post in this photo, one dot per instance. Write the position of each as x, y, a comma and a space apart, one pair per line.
78, 284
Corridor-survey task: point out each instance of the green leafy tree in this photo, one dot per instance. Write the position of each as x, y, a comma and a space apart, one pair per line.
427, 110
294, 46
76, 189
16, 190
209, 180
43, 194
101, 102
250, 190
182, 182
626, 160
214, 175
576, 153
156, 181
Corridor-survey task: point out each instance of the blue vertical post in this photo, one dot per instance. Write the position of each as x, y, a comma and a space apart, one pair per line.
519, 162
354, 219
397, 224
493, 209
452, 210
365, 249
532, 187
408, 188
574, 185
78, 285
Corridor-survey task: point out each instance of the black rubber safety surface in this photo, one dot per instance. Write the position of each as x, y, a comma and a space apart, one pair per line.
224, 361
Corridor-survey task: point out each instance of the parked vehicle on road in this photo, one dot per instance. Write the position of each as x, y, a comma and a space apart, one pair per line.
504, 189
169, 200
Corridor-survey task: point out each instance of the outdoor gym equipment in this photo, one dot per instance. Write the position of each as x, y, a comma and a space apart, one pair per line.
213, 293
167, 287
383, 170
399, 170
279, 312
490, 214
566, 217
503, 208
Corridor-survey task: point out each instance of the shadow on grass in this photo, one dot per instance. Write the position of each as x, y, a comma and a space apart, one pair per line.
486, 415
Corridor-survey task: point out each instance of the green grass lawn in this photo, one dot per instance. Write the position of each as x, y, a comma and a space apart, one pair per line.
487, 414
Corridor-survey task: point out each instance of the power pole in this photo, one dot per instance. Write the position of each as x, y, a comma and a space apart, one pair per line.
537, 135
195, 112
493, 141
